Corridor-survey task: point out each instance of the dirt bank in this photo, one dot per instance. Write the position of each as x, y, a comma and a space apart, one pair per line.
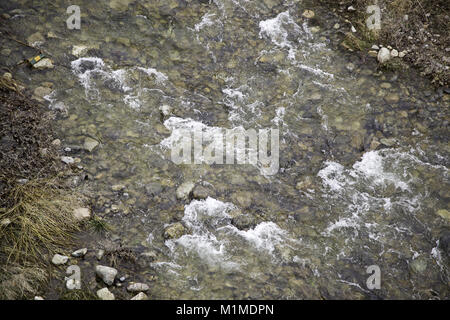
418, 28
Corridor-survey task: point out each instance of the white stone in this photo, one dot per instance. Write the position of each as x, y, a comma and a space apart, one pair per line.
79, 253
105, 294
59, 259
67, 160
383, 55
165, 110
45, 63
185, 189
82, 213
140, 296
394, 53
38, 298
107, 274
137, 287
351, 8
375, 47
402, 54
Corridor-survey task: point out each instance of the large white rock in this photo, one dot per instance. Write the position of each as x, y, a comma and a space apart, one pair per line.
383, 55
107, 274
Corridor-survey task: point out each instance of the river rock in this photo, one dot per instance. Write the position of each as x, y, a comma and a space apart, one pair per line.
140, 296
384, 55
38, 298
82, 213
59, 259
45, 63
105, 294
90, 144
418, 265
184, 190
174, 231
200, 193
309, 14
392, 98
68, 160
107, 274
35, 39
40, 92
445, 214
137, 287
79, 253
394, 53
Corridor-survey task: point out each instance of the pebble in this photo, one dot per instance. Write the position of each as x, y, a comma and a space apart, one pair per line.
107, 274
79, 253
67, 160
174, 231
308, 14
392, 98
137, 287
38, 298
394, 53
105, 294
59, 259
82, 213
140, 296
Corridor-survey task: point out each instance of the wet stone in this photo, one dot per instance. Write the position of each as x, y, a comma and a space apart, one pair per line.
174, 231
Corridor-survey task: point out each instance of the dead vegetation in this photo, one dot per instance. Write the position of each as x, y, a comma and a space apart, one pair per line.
419, 27
36, 211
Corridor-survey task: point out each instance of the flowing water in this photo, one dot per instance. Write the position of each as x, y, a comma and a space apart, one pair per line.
363, 153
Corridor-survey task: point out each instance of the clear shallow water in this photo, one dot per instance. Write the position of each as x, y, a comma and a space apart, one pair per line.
337, 204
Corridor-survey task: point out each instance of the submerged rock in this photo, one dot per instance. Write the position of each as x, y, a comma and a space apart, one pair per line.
107, 274
309, 14
90, 144
45, 63
174, 231
445, 214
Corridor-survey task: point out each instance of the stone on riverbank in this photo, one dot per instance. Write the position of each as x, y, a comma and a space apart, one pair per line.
107, 274
105, 294
137, 287
59, 259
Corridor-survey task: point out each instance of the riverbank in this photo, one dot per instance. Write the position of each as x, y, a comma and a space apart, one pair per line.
418, 29
37, 205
